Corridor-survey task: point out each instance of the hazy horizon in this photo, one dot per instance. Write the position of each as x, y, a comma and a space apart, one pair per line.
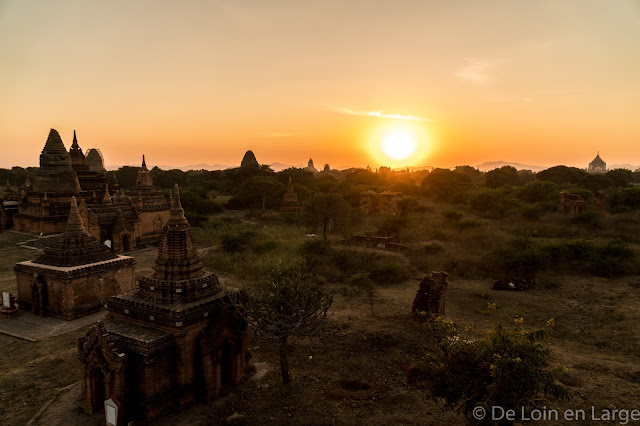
201, 82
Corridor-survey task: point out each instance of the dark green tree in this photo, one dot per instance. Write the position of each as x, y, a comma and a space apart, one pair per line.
328, 211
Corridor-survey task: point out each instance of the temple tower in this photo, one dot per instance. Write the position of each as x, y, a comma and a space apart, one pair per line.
172, 341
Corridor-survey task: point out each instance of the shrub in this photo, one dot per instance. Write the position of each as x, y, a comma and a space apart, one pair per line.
433, 247
539, 191
388, 273
233, 243
266, 247
587, 219
532, 212
491, 201
315, 247
520, 263
611, 258
452, 216
508, 368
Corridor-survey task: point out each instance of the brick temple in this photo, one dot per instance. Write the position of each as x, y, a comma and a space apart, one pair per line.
74, 275
290, 204
172, 341
123, 222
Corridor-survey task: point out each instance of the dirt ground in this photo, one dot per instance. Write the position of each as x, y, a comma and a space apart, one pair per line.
355, 372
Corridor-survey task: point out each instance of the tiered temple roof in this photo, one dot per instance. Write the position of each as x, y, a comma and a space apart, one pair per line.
179, 285
56, 173
290, 203
74, 247
144, 195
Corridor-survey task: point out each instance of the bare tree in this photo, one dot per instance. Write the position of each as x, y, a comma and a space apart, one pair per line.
287, 303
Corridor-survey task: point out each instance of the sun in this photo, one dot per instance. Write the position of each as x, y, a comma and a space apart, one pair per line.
399, 144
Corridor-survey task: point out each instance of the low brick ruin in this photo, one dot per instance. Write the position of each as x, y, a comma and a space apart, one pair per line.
431, 296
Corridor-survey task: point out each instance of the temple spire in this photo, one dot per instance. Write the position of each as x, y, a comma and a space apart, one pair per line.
75, 141
107, 198
74, 222
177, 212
290, 185
144, 163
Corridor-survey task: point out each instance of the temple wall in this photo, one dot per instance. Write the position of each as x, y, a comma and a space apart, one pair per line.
39, 225
156, 385
75, 297
152, 222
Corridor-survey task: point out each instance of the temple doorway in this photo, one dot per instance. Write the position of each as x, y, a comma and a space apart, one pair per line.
97, 390
126, 243
39, 296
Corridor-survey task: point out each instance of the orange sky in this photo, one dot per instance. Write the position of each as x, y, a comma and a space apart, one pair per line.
543, 83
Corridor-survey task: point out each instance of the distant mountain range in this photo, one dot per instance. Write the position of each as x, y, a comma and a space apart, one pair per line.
490, 165
485, 167
624, 166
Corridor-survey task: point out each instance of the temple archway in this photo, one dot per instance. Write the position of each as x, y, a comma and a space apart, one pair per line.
39, 296
126, 243
97, 392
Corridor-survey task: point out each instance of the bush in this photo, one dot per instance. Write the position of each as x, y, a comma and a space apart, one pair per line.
532, 212
315, 247
587, 219
388, 273
520, 263
491, 201
266, 247
234, 243
433, 247
539, 191
452, 216
508, 368
611, 259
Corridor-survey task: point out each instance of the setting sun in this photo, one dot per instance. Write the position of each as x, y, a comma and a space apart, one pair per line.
399, 144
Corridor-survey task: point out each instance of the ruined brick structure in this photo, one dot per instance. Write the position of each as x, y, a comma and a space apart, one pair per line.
383, 203
431, 295
290, 203
122, 221
171, 342
572, 204
74, 274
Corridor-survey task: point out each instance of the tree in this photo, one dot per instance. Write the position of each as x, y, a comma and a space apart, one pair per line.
444, 184
287, 303
505, 175
261, 187
507, 368
326, 210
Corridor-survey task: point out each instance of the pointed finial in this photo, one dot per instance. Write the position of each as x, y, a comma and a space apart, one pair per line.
144, 163
177, 212
107, 198
74, 222
74, 145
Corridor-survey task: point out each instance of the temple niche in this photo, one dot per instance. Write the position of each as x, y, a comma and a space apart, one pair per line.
74, 274
290, 204
171, 342
121, 222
